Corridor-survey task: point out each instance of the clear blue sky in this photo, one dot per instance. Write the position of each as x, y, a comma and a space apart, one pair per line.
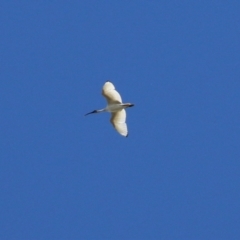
66, 176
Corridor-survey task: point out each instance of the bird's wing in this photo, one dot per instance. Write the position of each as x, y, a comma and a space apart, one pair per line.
118, 120
111, 94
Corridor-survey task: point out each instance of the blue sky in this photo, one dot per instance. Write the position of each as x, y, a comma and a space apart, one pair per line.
66, 176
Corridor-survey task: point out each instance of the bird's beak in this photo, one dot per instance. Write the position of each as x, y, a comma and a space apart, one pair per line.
95, 111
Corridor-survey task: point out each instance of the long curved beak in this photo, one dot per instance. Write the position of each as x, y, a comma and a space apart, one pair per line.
94, 111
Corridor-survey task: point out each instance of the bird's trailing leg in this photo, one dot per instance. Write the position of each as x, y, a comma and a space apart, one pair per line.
126, 105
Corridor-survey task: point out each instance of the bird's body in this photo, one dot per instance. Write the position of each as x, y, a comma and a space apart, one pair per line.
116, 107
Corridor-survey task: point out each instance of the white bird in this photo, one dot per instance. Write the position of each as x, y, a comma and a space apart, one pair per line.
116, 107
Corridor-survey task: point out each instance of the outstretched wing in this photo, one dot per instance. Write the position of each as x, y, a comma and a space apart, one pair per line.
111, 94
118, 120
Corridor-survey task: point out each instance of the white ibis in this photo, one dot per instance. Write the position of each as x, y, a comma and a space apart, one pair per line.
116, 107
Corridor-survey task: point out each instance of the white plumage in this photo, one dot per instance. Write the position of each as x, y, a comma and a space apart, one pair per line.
110, 93
116, 107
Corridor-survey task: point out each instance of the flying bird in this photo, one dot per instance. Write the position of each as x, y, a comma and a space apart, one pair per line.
115, 107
